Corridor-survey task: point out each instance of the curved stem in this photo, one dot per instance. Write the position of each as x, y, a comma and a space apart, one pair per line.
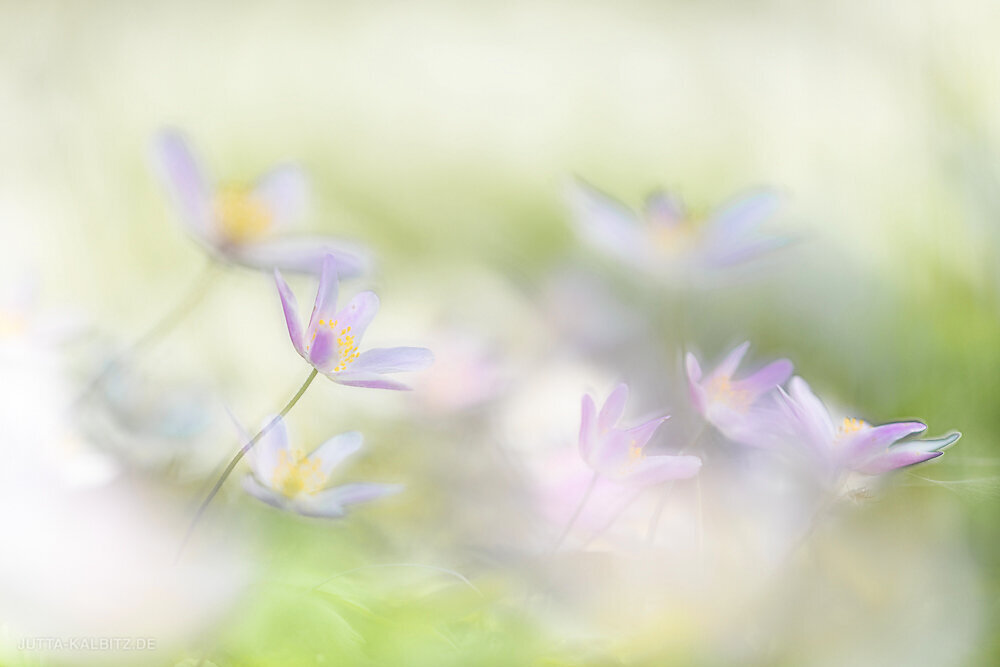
192, 296
576, 513
239, 456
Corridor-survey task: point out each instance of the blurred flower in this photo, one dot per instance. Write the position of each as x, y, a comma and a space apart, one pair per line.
243, 224
287, 478
854, 445
616, 453
735, 406
467, 373
330, 342
664, 239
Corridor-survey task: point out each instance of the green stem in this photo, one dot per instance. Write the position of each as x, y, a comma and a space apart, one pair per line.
239, 456
576, 514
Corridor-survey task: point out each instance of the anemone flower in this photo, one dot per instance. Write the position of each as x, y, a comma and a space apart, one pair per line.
331, 341
854, 445
664, 239
245, 224
616, 453
736, 407
285, 477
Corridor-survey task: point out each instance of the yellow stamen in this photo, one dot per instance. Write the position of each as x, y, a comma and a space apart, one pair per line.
241, 215
721, 390
850, 426
296, 474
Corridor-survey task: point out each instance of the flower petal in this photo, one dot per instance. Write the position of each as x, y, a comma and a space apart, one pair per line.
872, 441
333, 452
604, 222
732, 361
656, 469
358, 314
285, 191
766, 378
326, 294
392, 360
743, 214
334, 502
298, 254
186, 185
893, 460
814, 415
613, 408
697, 393
262, 493
641, 434
291, 309
665, 209
266, 452
588, 428
367, 380
322, 347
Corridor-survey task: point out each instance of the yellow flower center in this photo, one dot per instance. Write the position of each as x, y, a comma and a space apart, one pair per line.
635, 456
673, 239
241, 215
347, 349
296, 474
721, 390
850, 426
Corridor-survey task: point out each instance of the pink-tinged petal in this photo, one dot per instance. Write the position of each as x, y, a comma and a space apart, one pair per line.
857, 448
732, 361
326, 295
262, 493
893, 460
333, 452
265, 454
766, 378
743, 215
613, 408
186, 185
910, 450
699, 399
657, 469
322, 348
664, 209
334, 502
368, 381
605, 223
814, 415
285, 192
392, 360
299, 254
291, 309
640, 435
588, 428
738, 252
358, 314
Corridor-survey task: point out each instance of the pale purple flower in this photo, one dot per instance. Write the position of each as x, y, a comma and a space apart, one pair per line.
331, 341
287, 478
737, 407
616, 453
247, 224
853, 445
664, 238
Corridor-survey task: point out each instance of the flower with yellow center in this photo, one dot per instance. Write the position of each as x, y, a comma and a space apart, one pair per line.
242, 215
287, 478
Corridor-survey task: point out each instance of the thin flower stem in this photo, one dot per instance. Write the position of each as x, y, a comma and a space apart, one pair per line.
239, 456
654, 521
184, 306
577, 512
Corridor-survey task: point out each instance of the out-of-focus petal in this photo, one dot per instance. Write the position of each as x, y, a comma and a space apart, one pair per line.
285, 192
656, 469
301, 254
613, 408
392, 360
604, 222
868, 442
732, 361
358, 314
326, 295
815, 416
743, 215
640, 435
262, 493
662, 208
185, 182
767, 378
334, 502
893, 460
264, 455
696, 391
588, 427
291, 309
333, 452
